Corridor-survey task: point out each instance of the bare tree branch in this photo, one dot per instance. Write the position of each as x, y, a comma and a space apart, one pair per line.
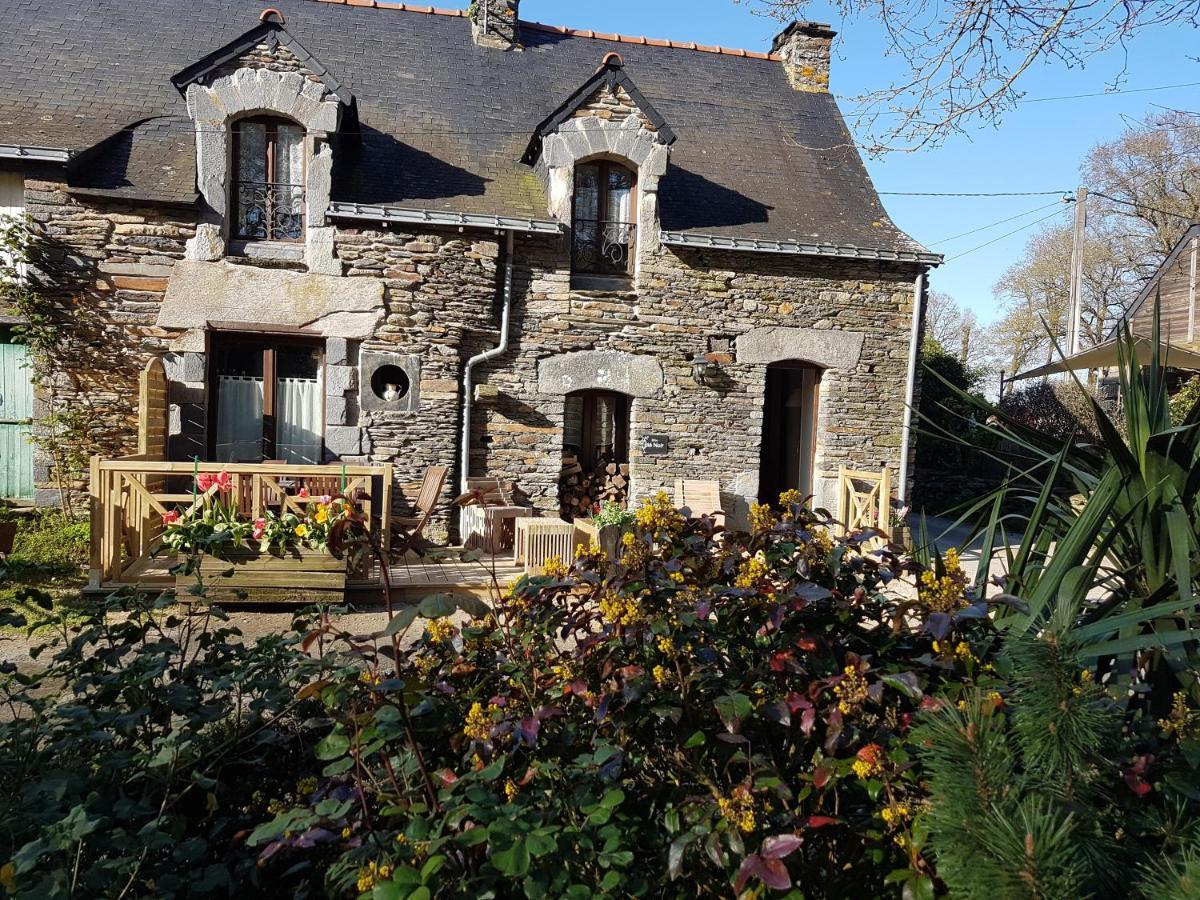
966, 58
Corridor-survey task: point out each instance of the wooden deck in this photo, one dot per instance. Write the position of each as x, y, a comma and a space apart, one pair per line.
411, 578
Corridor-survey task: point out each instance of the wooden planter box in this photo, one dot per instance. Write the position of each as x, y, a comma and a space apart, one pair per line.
301, 572
609, 538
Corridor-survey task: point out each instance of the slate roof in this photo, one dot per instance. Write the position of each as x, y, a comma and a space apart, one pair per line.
442, 123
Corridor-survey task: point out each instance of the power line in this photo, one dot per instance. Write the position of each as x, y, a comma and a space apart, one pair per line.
1003, 236
971, 193
964, 234
1145, 90
1161, 212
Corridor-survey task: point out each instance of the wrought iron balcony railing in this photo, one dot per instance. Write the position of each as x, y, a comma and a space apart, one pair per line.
603, 247
269, 211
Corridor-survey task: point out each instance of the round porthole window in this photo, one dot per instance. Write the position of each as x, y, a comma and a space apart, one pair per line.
390, 383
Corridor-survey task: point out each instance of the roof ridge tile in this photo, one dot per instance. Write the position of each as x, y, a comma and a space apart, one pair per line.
563, 30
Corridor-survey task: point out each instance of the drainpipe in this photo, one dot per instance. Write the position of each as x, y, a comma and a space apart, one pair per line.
914, 349
468, 386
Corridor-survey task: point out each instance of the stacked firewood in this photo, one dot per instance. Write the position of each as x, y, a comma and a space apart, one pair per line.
580, 492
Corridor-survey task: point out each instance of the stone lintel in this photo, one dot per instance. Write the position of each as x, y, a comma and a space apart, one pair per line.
822, 347
608, 370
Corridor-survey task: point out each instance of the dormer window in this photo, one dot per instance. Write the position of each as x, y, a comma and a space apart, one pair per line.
605, 226
268, 186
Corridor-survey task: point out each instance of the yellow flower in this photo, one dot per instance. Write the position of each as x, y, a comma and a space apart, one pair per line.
948, 592
963, 652
620, 610
511, 790
762, 518
322, 515
790, 498
369, 876
346, 832
555, 568
306, 786
676, 577
738, 809
661, 675
440, 630
301, 530
478, 726
657, 514
1183, 721
665, 645
868, 761
818, 548
895, 814
851, 691
372, 679
751, 573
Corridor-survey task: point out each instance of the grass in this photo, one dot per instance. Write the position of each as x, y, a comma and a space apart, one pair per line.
49, 557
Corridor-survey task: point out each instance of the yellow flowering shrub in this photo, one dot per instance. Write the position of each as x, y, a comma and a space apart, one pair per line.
947, 592
738, 809
659, 516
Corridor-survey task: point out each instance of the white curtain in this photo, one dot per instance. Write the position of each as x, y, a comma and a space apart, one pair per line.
298, 426
239, 419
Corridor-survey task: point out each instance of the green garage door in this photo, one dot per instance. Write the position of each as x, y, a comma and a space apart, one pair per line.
16, 412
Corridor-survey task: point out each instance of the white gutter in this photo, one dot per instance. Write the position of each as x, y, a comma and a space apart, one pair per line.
910, 390
468, 385
413, 216
35, 154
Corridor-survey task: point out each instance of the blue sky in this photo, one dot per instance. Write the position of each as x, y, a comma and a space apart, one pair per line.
1038, 147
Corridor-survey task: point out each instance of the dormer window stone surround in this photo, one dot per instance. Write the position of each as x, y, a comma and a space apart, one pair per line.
607, 118
214, 109
219, 96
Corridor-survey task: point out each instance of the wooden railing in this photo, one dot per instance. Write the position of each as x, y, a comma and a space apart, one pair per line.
130, 495
864, 499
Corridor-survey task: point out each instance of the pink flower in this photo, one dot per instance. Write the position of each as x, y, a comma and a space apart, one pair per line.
260, 526
225, 481
326, 499
204, 481
302, 493
170, 517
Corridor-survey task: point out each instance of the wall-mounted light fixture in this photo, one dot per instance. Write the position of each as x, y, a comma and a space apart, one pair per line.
702, 368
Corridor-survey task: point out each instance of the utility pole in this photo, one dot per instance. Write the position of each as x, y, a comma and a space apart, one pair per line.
1075, 307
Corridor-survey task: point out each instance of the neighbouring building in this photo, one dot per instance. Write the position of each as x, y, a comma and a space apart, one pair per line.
381, 232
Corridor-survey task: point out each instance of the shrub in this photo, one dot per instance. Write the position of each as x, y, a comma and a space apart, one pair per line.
722, 709
1061, 410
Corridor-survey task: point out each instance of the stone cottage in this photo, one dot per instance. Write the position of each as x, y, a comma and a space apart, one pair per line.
381, 232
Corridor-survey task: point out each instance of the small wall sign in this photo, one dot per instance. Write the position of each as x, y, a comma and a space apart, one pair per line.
656, 445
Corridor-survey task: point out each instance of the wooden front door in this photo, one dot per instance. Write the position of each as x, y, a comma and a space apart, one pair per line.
16, 421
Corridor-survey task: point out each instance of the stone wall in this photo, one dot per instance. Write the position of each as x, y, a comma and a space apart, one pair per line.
440, 295
112, 262
686, 299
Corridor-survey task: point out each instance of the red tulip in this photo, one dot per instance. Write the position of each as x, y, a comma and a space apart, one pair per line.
170, 517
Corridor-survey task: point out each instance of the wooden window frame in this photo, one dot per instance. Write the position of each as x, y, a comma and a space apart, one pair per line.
271, 125
268, 344
606, 166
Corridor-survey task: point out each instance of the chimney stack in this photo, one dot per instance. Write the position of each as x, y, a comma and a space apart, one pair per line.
806, 48
494, 24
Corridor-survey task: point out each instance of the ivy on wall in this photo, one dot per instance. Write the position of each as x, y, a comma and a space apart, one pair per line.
61, 426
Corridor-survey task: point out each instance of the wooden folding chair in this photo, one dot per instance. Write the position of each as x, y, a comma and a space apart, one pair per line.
699, 499
407, 531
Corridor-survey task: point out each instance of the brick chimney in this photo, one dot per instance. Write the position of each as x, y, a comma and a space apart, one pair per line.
494, 24
806, 48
